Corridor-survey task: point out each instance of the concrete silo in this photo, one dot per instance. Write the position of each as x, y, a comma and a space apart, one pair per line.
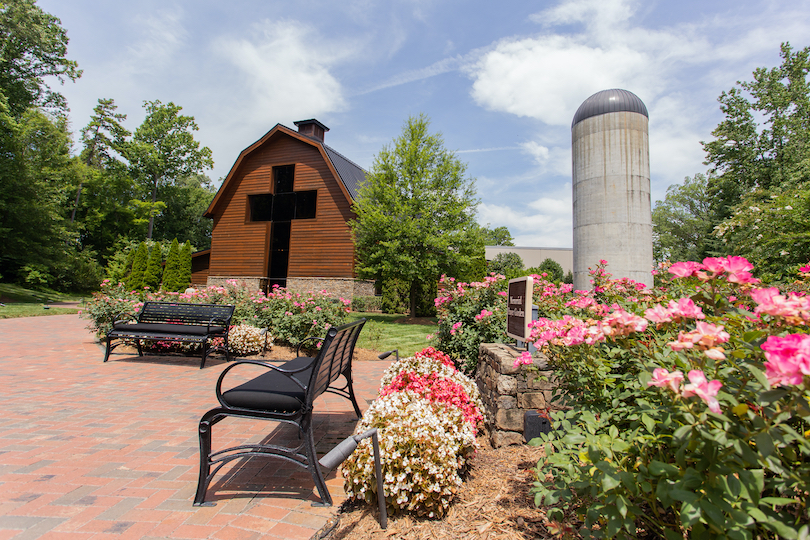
611, 187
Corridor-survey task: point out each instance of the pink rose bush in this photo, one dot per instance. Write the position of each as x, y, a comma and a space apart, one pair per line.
428, 414
689, 404
469, 314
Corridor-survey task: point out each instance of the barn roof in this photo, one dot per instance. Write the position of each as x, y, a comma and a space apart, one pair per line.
349, 173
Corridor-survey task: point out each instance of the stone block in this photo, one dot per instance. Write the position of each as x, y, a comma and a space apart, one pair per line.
506, 402
507, 385
532, 400
510, 420
506, 438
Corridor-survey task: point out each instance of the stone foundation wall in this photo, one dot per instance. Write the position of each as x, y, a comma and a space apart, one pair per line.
338, 287
251, 282
508, 392
346, 288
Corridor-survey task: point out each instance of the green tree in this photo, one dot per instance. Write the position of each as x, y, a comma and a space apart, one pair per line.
171, 274
498, 236
186, 201
760, 167
553, 270
184, 280
37, 176
506, 263
415, 211
154, 269
771, 155
102, 138
139, 264
33, 46
163, 150
683, 222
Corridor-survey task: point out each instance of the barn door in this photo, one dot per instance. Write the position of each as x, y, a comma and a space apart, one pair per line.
279, 253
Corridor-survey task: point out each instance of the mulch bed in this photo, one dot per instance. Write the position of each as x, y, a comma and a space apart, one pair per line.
494, 503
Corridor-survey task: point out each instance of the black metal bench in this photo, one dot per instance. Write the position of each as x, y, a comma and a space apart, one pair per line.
284, 393
167, 321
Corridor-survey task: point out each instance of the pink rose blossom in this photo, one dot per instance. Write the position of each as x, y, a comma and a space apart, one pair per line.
788, 359
662, 378
684, 269
716, 265
706, 390
524, 359
735, 265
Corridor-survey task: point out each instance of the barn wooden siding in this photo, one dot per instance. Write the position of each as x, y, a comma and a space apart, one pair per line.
318, 247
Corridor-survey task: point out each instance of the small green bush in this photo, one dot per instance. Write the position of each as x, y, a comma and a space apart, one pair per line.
367, 303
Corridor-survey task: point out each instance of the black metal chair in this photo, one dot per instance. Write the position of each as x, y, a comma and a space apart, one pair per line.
284, 393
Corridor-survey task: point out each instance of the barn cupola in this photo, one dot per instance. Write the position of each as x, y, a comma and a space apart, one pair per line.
311, 128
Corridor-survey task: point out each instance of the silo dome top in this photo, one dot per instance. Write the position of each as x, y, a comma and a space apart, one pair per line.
608, 101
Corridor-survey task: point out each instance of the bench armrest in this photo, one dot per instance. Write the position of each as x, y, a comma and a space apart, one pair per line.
124, 317
289, 373
225, 323
298, 347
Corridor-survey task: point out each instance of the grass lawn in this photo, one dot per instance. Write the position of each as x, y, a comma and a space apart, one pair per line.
384, 332
21, 302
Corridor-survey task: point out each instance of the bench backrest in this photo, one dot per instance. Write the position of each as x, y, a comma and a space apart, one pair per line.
334, 357
182, 313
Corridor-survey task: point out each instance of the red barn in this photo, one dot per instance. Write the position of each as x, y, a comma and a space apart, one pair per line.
281, 216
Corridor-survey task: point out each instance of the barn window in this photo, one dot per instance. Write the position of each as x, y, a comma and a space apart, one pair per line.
305, 204
283, 178
261, 207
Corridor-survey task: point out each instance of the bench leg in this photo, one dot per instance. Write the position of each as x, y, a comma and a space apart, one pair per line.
138, 344
205, 465
314, 466
109, 348
350, 389
204, 355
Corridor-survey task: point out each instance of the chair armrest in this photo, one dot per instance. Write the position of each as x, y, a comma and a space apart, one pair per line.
289, 373
298, 348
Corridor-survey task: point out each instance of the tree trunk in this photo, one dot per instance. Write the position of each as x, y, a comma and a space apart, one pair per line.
414, 291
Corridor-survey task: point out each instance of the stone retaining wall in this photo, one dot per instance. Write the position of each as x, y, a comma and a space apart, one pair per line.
346, 288
508, 392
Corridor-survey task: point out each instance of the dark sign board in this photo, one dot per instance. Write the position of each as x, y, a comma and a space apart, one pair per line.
519, 307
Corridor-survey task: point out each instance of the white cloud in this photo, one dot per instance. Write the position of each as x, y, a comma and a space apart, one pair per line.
162, 35
543, 222
287, 72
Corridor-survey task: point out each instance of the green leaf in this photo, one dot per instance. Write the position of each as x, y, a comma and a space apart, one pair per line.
659, 468
714, 514
778, 501
764, 444
772, 396
690, 514
649, 423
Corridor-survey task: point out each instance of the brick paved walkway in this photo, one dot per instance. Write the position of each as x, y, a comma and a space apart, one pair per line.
109, 450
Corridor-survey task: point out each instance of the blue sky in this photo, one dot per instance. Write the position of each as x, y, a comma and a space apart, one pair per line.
500, 80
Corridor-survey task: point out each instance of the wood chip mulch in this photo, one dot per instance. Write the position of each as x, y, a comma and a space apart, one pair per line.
494, 503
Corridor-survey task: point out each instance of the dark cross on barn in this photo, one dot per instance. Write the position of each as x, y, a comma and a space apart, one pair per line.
281, 207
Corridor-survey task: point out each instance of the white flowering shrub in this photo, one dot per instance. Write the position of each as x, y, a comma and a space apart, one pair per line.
244, 340
423, 445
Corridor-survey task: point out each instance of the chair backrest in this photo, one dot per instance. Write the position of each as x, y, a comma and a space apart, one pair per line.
334, 357
182, 313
